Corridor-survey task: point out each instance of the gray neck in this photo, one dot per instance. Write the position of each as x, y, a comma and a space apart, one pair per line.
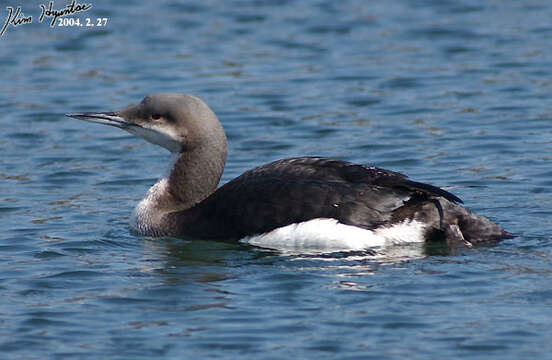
194, 176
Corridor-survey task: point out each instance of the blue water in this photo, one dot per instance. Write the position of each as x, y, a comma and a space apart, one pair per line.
453, 93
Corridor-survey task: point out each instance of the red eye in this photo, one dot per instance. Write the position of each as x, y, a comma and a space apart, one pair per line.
156, 117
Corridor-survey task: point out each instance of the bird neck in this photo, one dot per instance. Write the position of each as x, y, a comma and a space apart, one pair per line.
192, 177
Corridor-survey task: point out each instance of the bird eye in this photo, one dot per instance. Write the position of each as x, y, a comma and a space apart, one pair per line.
155, 117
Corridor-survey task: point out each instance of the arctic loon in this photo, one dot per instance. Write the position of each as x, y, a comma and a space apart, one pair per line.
294, 202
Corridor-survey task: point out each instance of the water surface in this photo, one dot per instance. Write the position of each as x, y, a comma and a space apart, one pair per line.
452, 93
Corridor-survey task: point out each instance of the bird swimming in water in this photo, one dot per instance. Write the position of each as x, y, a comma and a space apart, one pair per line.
302, 202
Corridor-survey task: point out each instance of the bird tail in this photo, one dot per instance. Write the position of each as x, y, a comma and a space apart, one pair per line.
460, 225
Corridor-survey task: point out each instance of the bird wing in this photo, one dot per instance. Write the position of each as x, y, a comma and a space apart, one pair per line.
300, 189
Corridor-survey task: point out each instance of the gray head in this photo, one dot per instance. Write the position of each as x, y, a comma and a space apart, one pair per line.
185, 126
177, 122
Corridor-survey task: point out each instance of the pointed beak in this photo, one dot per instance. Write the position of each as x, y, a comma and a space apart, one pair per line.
153, 135
106, 118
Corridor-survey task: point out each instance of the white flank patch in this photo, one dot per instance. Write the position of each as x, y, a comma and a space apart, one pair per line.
328, 235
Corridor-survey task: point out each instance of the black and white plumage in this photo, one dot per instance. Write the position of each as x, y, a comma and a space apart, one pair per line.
297, 202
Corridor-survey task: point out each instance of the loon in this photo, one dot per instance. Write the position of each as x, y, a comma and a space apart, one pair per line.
297, 202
